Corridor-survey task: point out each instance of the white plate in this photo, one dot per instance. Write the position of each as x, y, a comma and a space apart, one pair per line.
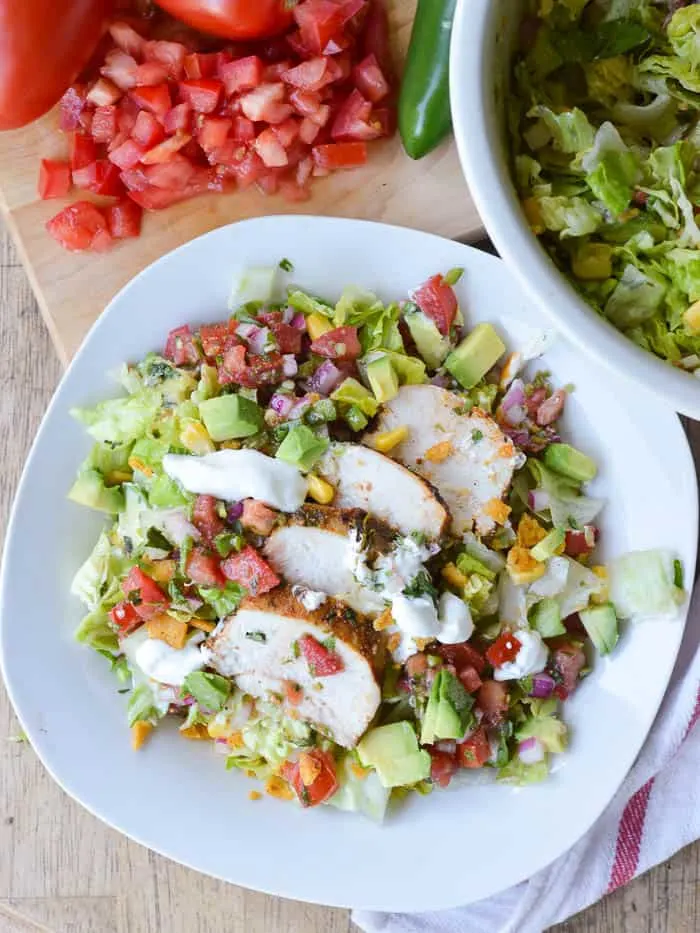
175, 796
484, 34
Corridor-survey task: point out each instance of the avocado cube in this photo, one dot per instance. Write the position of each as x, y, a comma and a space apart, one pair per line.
353, 392
475, 355
430, 343
229, 416
302, 448
545, 617
567, 461
89, 489
382, 377
601, 624
393, 751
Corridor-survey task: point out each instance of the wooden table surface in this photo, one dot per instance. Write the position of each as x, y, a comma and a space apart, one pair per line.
63, 871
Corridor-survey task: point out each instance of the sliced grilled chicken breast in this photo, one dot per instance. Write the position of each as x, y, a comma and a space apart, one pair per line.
366, 479
262, 647
466, 457
313, 549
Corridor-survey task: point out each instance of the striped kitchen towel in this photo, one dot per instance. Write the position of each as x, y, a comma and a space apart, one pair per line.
654, 814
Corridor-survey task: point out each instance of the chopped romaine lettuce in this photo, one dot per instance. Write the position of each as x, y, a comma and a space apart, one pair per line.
642, 585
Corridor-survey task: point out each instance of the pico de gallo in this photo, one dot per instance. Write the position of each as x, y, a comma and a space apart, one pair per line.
292, 571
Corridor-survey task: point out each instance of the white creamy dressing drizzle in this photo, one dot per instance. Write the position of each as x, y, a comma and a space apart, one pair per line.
309, 599
530, 659
158, 661
414, 616
239, 474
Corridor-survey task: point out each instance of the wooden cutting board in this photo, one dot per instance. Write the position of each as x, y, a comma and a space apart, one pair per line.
73, 289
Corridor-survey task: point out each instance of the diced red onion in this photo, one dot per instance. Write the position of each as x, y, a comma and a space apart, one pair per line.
531, 751
176, 527
221, 741
299, 407
299, 321
282, 404
446, 745
234, 511
515, 396
515, 415
194, 603
326, 379
288, 315
542, 686
290, 366
538, 500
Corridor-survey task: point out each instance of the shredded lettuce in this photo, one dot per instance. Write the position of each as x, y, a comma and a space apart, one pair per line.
643, 585
360, 790
121, 420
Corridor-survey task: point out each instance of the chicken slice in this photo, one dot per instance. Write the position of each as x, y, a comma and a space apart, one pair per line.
313, 549
259, 646
466, 457
366, 479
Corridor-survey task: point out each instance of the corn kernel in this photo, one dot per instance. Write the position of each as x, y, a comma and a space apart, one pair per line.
277, 787
197, 732
254, 795
317, 325
139, 733
534, 215
139, 465
309, 769
691, 317
217, 729
522, 566
439, 452
454, 577
387, 440
195, 437
319, 490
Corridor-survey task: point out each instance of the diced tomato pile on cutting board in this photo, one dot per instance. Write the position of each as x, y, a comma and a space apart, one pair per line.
157, 121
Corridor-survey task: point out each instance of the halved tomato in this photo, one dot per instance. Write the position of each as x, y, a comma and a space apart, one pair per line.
233, 19
333, 156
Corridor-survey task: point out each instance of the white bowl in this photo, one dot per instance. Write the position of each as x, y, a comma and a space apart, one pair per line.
175, 796
483, 36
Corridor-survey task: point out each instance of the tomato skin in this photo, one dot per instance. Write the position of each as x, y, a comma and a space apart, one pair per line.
152, 599
322, 661
54, 179
333, 156
341, 343
250, 570
232, 19
324, 785
44, 45
476, 751
443, 767
180, 347
438, 301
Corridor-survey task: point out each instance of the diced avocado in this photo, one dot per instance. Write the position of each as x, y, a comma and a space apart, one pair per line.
356, 421
551, 544
89, 489
475, 355
409, 369
567, 461
229, 416
545, 617
382, 377
393, 751
431, 344
601, 624
302, 448
448, 711
353, 392
468, 564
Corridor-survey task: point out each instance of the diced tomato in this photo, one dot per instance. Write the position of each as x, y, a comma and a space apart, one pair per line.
151, 198
309, 76
201, 64
147, 131
269, 182
503, 650
144, 593
376, 39
155, 99
308, 131
476, 751
81, 226
135, 179
306, 103
174, 174
320, 21
54, 179
204, 568
270, 149
318, 764
125, 617
149, 74
442, 767
567, 662
120, 69
462, 655
264, 102
170, 54
383, 119
83, 151
352, 122
166, 151
370, 80
580, 543
202, 94
104, 124
244, 74
258, 517
293, 692
100, 177
288, 338
213, 132
71, 108
206, 518
180, 347
127, 155
287, 131
127, 38
213, 337
103, 93
250, 570
341, 343
124, 219
248, 370
340, 155
470, 678
438, 301
242, 129
178, 119
492, 700
322, 661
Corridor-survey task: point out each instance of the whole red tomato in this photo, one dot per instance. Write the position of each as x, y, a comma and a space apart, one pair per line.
44, 44
233, 19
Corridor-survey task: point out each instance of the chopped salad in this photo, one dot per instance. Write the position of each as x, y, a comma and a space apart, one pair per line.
605, 137
348, 546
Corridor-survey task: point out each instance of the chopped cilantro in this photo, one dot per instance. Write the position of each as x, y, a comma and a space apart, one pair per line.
678, 574
329, 643
421, 585
477, 435
286, 265
453, 276
260, 637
